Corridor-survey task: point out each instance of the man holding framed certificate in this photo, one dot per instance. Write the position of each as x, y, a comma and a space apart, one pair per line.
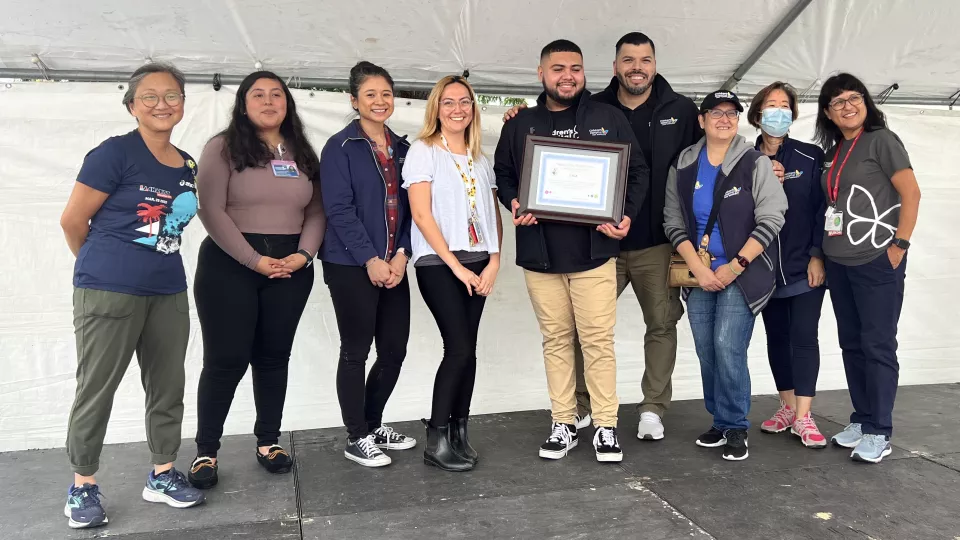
566, 171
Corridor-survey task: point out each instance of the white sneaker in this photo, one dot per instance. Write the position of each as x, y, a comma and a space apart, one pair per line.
582, 421
650, 427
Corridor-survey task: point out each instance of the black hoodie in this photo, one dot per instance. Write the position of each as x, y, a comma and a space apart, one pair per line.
673, 127
595, 121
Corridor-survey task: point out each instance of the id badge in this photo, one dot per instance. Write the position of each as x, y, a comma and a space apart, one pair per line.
473, 229
284, 169
834, 224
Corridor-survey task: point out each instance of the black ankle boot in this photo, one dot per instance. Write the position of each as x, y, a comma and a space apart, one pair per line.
440, 453
460, 440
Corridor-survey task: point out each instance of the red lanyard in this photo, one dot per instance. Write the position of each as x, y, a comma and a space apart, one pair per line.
834, 191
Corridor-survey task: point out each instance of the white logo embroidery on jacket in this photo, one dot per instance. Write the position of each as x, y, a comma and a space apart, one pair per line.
731, 192
668, 121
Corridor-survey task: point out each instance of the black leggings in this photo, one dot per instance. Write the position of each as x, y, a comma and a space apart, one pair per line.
367, 313
793, 348
246, 319
458, 318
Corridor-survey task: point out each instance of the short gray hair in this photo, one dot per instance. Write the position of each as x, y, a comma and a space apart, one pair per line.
148, 69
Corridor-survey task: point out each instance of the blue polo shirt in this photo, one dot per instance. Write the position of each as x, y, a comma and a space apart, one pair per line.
133, 246
702, 204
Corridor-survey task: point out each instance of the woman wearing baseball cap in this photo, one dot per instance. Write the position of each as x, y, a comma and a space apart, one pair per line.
723, 196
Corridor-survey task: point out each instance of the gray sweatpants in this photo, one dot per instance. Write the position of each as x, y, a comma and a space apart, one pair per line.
110, 327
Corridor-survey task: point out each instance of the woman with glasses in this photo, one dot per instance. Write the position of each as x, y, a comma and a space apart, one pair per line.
134, 196
260, 203
456, 251
872, 204
792, 317
724, 198
365, 260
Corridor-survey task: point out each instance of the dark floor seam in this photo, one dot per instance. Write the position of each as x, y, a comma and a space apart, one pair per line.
296, 483
944, 465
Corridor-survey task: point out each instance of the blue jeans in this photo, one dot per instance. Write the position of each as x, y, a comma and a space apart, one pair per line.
722, 325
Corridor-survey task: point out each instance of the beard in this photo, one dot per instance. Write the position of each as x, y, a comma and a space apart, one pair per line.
635, 90
565, 101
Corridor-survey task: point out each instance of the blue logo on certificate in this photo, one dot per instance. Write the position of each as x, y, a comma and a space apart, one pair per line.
573, 181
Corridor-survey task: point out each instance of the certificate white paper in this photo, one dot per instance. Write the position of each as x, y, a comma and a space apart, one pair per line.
573, 181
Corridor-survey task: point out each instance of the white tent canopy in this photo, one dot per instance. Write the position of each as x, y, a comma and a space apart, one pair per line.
700, 43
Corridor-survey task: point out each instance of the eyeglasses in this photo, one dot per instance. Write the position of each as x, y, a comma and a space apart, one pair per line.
839, 104
717, 114
152, 100
465, 104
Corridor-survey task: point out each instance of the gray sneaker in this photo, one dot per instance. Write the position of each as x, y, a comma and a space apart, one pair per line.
872, 448
849, 437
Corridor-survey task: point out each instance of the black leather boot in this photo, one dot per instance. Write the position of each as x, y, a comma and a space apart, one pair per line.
439, 452
461, 441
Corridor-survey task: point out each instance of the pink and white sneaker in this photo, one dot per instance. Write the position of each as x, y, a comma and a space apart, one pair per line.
806, 429
780, 421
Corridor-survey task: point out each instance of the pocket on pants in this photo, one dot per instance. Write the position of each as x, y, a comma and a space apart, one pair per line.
105, 304
183, 302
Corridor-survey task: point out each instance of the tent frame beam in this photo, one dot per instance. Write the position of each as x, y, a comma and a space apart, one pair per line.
317, 83
767, 42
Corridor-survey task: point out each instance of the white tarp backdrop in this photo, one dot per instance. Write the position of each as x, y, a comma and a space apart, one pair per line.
699, 42
48, 127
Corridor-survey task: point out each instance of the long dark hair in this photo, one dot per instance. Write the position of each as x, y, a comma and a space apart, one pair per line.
827, 133
244, 148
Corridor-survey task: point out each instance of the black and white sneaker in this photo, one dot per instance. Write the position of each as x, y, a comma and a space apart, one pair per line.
582, 421
606, 444
712, 439
562, 439
365, 452
387, 439
736, 447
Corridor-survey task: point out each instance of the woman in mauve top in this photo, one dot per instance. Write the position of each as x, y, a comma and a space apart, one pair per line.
260, 202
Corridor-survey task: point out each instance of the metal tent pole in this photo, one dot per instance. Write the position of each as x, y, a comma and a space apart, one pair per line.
771, 38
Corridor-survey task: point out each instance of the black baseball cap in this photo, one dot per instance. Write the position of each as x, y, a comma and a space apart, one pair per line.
720, 96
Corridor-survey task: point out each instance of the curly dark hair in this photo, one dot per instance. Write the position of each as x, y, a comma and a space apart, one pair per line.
244, 148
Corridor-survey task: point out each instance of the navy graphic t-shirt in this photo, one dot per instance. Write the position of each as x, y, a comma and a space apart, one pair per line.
134, 242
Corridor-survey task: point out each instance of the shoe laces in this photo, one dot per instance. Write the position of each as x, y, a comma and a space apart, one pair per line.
560, 434
87, 495
735, 437
606, 436
874, 441
201, 462
649, 417
855, 427
172, 480
388, 433
275, 451
783, 414
807, 425
369, 447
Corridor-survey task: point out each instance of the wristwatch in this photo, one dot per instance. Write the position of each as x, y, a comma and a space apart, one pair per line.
900, 243
306, 254
742, 261
403, 251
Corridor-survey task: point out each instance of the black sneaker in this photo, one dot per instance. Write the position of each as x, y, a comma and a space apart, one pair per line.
712, 439
365, 452
276, 461
203, 473
387, 439
736, 447
562, 439
606, 445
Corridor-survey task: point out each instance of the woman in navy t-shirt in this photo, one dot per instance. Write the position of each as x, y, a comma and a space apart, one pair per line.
133, 198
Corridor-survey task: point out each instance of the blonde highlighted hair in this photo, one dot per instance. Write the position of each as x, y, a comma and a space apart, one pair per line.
431, 118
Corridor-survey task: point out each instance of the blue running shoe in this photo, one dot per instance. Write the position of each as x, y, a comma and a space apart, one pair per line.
173, 489
872, 449
84, 508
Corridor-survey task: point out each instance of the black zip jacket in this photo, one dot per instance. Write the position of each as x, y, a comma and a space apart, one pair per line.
673, 127
595, 121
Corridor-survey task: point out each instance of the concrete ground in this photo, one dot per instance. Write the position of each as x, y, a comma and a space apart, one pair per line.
664, 490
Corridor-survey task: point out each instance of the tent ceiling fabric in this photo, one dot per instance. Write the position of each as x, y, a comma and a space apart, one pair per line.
915, 44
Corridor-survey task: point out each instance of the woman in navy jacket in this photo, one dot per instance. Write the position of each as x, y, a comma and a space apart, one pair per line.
792, 317
365, 253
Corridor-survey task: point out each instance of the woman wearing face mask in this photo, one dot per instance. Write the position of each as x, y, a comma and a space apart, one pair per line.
456, 251
723, 195
872, 204
365, 260
792, 317
260, 203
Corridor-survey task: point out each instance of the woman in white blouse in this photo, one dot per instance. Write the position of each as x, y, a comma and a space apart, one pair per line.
456, 252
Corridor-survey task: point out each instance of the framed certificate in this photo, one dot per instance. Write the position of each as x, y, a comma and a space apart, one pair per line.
574, 181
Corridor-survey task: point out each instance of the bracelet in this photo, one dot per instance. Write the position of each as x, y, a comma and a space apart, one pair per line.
734, 270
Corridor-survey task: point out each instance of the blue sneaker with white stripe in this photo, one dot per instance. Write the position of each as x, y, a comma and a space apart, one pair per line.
173, 489
84, 507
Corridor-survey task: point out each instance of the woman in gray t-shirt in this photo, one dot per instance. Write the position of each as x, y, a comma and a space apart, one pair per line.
872, 204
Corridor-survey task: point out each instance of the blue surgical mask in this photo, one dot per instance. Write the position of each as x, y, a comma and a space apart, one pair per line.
775, 121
